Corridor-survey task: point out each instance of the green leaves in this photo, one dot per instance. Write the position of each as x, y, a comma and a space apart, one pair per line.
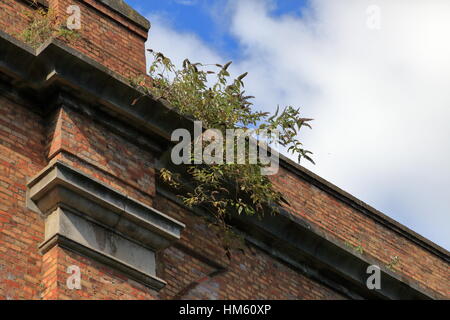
208, 93
42, 25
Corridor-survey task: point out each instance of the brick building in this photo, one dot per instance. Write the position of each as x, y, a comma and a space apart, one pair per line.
79, 187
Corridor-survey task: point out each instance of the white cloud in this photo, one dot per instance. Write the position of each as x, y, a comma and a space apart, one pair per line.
186, 2
380, 97
178, 45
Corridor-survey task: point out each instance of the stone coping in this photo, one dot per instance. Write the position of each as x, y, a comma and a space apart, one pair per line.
90, 218
119, 6
60, 185
127, 11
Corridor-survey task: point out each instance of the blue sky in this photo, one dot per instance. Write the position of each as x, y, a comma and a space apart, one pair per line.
203, 17
378, 92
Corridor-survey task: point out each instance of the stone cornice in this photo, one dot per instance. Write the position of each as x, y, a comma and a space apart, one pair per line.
363, 207
90, 218
128, 12
318, 256
60, 185
118, 6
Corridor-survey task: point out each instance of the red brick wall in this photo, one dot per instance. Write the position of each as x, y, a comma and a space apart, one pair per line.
49, 280
104, 35
12, 16
249, 274
87, 146
97, 281
348, 225
21, 230
107, 37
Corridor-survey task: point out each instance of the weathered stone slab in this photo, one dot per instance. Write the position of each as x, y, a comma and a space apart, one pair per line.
89, 217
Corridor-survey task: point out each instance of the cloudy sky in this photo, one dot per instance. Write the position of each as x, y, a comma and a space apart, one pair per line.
375, 76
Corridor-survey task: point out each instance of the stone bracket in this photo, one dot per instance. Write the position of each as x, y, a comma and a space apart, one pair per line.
88, 217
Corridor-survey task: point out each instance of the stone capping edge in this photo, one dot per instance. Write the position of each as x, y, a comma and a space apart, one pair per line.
289, 239
141, 116
36, 3
128, 12
118, 6
110, 207
363, 207
156, 216
136, 275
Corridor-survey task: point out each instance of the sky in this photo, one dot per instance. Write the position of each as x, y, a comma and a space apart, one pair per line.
373, 74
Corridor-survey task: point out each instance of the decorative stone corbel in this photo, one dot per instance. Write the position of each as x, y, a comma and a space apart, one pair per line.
90, 218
